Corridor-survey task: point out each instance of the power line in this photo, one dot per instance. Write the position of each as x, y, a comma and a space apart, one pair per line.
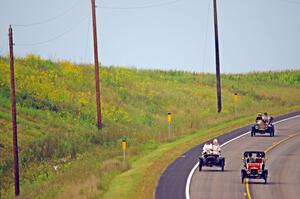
49, 19
206, 33
140, 7
3, 43
87, 37
290, 1
53, 38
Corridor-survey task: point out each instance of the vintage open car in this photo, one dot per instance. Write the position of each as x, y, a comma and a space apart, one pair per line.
211, 159
254, 166
262, 127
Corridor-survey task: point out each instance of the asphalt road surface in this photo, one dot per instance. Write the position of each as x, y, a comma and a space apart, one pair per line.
284, 173
284, 179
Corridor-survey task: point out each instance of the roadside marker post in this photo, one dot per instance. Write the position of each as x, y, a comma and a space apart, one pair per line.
235, 100
169, 117
124, 145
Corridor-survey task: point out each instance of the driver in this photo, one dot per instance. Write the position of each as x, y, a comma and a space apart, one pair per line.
207, 148
259, 117
251, 159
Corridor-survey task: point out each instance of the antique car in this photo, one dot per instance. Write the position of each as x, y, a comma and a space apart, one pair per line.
211, 158
254, 166
262, 127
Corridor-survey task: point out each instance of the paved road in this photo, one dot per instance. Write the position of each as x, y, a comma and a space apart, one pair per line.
204, 185
284, 181
211, 183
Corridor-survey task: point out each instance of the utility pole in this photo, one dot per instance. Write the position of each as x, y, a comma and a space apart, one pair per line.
218, 76
14, 113
98, 100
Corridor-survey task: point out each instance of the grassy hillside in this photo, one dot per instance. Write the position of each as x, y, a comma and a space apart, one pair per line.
56, 118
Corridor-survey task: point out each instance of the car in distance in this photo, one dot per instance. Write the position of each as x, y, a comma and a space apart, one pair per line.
262, 127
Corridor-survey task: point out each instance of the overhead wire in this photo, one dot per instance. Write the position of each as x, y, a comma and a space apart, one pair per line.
53, 38
49, 19
290, 1
87, 37
140, 7
205, 38
3, 42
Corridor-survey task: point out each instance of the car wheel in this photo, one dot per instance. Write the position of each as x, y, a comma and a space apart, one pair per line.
243, 176
200, 166
223, 164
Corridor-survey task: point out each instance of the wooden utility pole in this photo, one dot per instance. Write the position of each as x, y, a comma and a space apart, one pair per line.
218, 76
14, 113
98, 100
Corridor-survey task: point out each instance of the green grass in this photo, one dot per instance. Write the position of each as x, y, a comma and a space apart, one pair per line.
57, 124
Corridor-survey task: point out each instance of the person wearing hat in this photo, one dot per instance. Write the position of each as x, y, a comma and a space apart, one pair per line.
259, 117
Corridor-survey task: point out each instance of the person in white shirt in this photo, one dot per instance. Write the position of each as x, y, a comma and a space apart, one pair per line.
266, 118
216, 147
207, 149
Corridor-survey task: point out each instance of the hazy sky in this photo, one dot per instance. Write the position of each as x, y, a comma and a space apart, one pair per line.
169, 34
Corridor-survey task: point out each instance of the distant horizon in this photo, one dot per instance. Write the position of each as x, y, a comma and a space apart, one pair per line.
148, 69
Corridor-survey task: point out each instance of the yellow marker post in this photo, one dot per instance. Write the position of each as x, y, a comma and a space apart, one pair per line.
124, 145
169, 121
169, 117
235, 100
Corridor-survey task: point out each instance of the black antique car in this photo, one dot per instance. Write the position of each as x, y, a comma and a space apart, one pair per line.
210, 159
262, 127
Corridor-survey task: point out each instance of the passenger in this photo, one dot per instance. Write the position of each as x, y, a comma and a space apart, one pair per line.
266, 118
258, 158
271, 120
216, 147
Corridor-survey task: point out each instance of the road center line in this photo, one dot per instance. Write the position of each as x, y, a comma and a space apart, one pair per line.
247, 189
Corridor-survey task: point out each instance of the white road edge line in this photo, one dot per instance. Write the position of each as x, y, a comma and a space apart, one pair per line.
188, 181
